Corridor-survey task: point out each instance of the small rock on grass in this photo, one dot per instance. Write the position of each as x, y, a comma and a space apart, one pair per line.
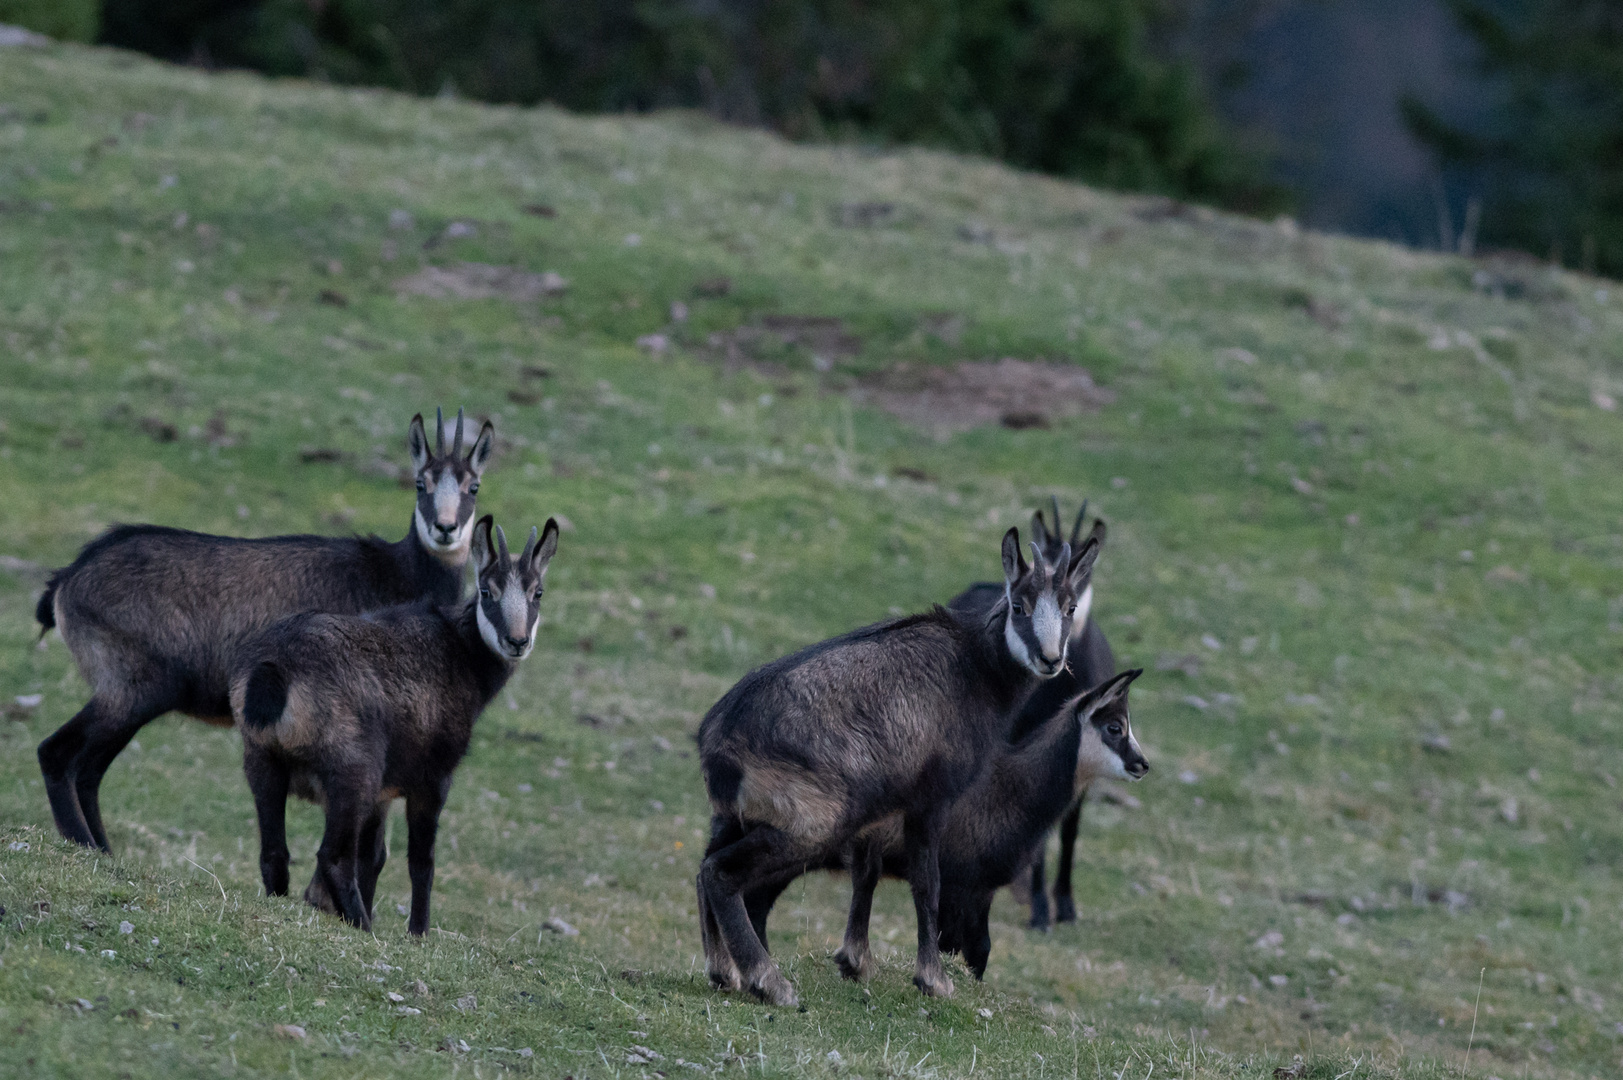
290, 1031
558, 926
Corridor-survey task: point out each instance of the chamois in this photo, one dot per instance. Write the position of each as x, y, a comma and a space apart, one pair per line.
991, 828
153, 615
1090, 663
898, 718
355, 711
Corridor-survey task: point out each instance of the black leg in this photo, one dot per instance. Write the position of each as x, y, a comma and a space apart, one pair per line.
867, 863
337, 862
75, 758
1064, 906
422, 825
922, 838
758, 902
718, 962
762, 854
373, 853
978, 942
1039, 891
268, 780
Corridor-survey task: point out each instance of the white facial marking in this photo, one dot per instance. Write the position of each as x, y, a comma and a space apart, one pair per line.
447, 498
1011, 637
488, 632
1045, 625
1084, 606
453, 554
516, 613
1095, 760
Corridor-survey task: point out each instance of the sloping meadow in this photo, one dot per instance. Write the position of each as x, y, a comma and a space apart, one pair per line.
1364, 531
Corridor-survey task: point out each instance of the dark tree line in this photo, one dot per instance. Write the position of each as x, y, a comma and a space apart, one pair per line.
1546, 155
1075, 87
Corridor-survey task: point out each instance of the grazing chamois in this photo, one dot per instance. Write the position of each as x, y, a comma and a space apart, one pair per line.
355, 711
898, 718
154, 616
1090, 663
991, 828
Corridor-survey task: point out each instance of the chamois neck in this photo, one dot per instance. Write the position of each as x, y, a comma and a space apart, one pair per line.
1008, 681
1037, 776
490, 672
442, 580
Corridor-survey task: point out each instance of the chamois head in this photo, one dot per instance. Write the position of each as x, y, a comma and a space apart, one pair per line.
446, 485
1108, 747
1040, 601
509, 602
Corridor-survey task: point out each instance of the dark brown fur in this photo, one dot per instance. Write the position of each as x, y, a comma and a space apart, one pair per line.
353, 712
894, 719
990, 829
1090, 663
154, 617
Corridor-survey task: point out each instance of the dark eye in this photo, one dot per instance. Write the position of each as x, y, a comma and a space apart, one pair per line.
473, 488
1113, 730
1018, 608
422, 485
484, 593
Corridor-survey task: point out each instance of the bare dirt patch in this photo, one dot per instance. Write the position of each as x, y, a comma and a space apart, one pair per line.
1013, 393
770, 344
480, 281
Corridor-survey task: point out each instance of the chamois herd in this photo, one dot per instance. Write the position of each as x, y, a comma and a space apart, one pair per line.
939, 748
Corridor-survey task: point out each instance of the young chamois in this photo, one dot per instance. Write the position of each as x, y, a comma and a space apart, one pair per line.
898, 718
991, 828
154, 616
355, 711
1090, 663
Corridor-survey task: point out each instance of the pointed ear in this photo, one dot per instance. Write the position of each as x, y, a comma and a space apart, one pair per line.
1014, 564
439, 432
1081, 568
1107, 693
1039, 530
1099, 530
479, 456
417, 444
484, 551
546, 549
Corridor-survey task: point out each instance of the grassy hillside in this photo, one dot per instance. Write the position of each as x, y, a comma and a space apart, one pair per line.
1366, 531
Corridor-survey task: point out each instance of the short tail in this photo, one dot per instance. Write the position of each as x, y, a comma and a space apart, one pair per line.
45, 610
265, 697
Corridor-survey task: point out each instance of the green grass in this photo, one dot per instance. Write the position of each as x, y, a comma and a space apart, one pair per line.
1306, 505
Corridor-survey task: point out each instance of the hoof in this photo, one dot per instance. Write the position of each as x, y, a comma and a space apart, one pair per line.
771, 987
725, 979
1064, 910
317, 896
934, 984
1039, 922
857, 966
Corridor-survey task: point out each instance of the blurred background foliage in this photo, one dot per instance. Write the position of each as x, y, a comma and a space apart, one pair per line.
1254, 105
1074, 87
1546, 154
65, 20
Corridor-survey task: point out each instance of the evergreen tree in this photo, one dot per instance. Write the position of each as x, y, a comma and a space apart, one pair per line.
1547, 156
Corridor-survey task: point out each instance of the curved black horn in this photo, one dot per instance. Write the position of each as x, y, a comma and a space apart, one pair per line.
1054, 499
529, 546
439, 432
456, 445
501, 544
1076, 530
